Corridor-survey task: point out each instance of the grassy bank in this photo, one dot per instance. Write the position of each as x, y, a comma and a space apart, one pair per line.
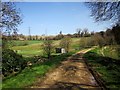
106, 61
30, 75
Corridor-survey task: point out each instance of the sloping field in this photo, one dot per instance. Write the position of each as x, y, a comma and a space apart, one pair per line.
35, 47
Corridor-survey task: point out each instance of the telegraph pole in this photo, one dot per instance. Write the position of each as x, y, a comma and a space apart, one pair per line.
46, 32
29, 33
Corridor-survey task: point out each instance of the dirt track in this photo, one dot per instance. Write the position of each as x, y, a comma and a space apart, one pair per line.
71, 74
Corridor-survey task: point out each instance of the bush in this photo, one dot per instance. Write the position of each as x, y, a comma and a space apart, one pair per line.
66, 43
11, 62
48, 47
86, 42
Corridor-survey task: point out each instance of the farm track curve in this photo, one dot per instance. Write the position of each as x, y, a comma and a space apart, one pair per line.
71, 74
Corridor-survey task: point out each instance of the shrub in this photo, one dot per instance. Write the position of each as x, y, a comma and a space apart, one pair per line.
66, 43
86, 42
48, 47
11, 62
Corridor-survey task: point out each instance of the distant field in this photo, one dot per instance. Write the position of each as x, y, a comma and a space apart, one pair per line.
28, 42
28, 50
34, 47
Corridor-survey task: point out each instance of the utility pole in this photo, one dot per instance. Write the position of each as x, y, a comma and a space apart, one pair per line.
46, 32
29, 33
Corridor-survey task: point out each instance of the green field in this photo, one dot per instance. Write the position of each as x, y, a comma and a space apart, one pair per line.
106, 61
20, 43
29, 50
35, 47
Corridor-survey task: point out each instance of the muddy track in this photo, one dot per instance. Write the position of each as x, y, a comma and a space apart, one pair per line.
73, 73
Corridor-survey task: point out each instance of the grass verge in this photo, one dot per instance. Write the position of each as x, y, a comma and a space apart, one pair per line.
30, 75
107, 66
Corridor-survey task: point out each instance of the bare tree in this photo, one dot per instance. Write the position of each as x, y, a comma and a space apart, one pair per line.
48, 47
92, 33
78, 32
86, 33
99, 40
103, 11
10, 17
85, 42
65, 43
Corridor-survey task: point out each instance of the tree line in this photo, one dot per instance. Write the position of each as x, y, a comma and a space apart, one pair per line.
79, 33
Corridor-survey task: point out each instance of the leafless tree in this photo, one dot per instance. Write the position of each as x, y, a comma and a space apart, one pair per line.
85, 31
78, 32
65, 43
48, 47
99, 40
10, 17
103, 11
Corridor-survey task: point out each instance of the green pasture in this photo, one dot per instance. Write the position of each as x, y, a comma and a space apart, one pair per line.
28, 42
29, 50
35, 47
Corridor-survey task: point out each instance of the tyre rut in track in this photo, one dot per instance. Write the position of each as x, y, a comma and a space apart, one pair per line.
72, 73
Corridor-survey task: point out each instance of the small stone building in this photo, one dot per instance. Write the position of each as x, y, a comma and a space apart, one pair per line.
60, 50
